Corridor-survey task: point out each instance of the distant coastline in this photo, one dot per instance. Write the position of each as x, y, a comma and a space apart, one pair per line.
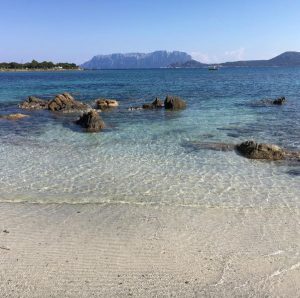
37, 66
39, 70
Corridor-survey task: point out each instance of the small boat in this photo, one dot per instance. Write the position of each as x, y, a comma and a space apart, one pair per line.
213, 67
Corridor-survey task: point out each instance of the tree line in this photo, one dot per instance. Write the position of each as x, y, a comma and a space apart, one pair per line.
37, 65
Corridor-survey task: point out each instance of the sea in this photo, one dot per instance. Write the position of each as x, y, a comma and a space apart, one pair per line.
152, 156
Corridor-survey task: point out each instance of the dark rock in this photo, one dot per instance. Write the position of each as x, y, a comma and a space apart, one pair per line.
253, 150
147, 106
66, 103
103, 103
34, 103
294, 172
13, 116
279, 101
269, 102
174, 103
156, 104
91, 121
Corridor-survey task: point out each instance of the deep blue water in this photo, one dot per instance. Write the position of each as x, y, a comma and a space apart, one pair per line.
147, 156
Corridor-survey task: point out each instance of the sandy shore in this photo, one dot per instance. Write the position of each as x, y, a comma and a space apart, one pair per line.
120, 250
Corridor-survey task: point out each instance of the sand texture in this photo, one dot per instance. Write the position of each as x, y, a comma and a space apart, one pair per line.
120, 250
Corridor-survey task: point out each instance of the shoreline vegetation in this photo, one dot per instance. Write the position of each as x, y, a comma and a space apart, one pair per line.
37, 66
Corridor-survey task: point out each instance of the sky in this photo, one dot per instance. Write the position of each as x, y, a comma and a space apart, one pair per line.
209, 30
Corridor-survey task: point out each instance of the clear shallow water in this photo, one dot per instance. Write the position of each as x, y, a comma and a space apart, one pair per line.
146, 156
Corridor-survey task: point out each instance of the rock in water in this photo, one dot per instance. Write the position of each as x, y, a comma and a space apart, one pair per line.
156, 104
253, 150
103, 103
34, 103
66, 103
174, 103
279, 101
91, 121
13, 116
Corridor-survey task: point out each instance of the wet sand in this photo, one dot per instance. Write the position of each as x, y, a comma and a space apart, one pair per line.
120, 250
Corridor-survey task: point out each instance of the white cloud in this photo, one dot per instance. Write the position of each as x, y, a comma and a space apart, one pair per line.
231, 55
235, 55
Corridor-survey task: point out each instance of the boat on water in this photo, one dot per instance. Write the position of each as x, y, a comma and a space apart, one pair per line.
213, 67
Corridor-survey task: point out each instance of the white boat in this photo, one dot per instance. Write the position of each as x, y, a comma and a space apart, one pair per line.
213, 67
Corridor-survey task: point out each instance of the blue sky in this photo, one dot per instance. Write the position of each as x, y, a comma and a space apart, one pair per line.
212, 31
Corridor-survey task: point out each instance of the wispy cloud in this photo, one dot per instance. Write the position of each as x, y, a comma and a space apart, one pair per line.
202, 57
238, 54
230, 55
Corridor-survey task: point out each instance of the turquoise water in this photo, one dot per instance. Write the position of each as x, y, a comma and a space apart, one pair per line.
147, 156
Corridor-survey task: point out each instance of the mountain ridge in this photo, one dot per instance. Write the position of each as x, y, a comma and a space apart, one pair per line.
156, 59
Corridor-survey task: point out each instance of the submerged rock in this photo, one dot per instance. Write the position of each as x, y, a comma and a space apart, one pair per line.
269, 102
279, 101
66, 103
34, 103
174, 103
211, 146
91, 121
13, 116
253, 150
249, 149
103, 104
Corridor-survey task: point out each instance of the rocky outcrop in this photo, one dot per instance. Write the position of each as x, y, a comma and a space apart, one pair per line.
156, 104
13, 116
174, 103
103, 103
91, 121
62, 102
34, 103
66, 103
253, 150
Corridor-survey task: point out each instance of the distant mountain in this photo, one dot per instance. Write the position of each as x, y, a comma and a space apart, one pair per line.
155, 59
284, 59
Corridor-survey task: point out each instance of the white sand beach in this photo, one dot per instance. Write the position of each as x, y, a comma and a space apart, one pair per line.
120, 250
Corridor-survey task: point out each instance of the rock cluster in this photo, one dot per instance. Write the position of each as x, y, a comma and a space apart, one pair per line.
170, 103
66, 103
62, 102
91, 121
34, 103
